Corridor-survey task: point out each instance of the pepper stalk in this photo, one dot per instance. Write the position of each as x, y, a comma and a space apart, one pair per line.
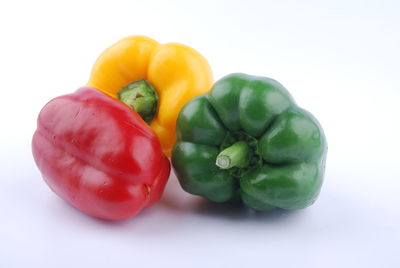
237, 155
141, 97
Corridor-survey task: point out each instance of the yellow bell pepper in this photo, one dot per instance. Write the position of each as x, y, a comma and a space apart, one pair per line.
176, 72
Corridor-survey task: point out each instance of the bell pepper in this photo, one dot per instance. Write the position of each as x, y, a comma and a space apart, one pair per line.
169, 74
247, 140
99, 155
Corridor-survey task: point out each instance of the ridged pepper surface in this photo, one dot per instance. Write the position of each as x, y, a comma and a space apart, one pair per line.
248, 140
99, 155
166, 76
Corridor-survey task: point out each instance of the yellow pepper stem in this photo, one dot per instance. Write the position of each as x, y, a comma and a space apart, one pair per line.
141, 97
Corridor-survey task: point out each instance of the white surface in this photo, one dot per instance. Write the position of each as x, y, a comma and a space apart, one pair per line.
339, 59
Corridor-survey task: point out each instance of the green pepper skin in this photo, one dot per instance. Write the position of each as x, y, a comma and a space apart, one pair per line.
286, 143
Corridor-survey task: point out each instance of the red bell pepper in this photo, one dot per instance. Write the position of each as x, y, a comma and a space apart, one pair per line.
99, 155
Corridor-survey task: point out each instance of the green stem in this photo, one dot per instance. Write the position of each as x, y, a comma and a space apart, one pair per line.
141, 97
237, 155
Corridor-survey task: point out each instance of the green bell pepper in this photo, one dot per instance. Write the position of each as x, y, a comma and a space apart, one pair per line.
248, 139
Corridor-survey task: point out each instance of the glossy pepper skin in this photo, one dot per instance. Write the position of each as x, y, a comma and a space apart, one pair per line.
100, 156
176, 72
281, 146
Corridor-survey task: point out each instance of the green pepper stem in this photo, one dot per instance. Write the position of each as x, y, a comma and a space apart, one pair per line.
141, 97
237, 155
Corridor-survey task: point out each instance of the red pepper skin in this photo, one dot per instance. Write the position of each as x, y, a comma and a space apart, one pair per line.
99, 155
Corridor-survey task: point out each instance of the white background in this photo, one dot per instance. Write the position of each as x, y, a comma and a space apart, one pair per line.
339, 59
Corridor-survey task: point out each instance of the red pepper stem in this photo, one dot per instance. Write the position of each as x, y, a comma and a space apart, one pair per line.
237, 155
141, 97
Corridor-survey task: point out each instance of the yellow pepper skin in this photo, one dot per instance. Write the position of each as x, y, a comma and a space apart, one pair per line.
177, 72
